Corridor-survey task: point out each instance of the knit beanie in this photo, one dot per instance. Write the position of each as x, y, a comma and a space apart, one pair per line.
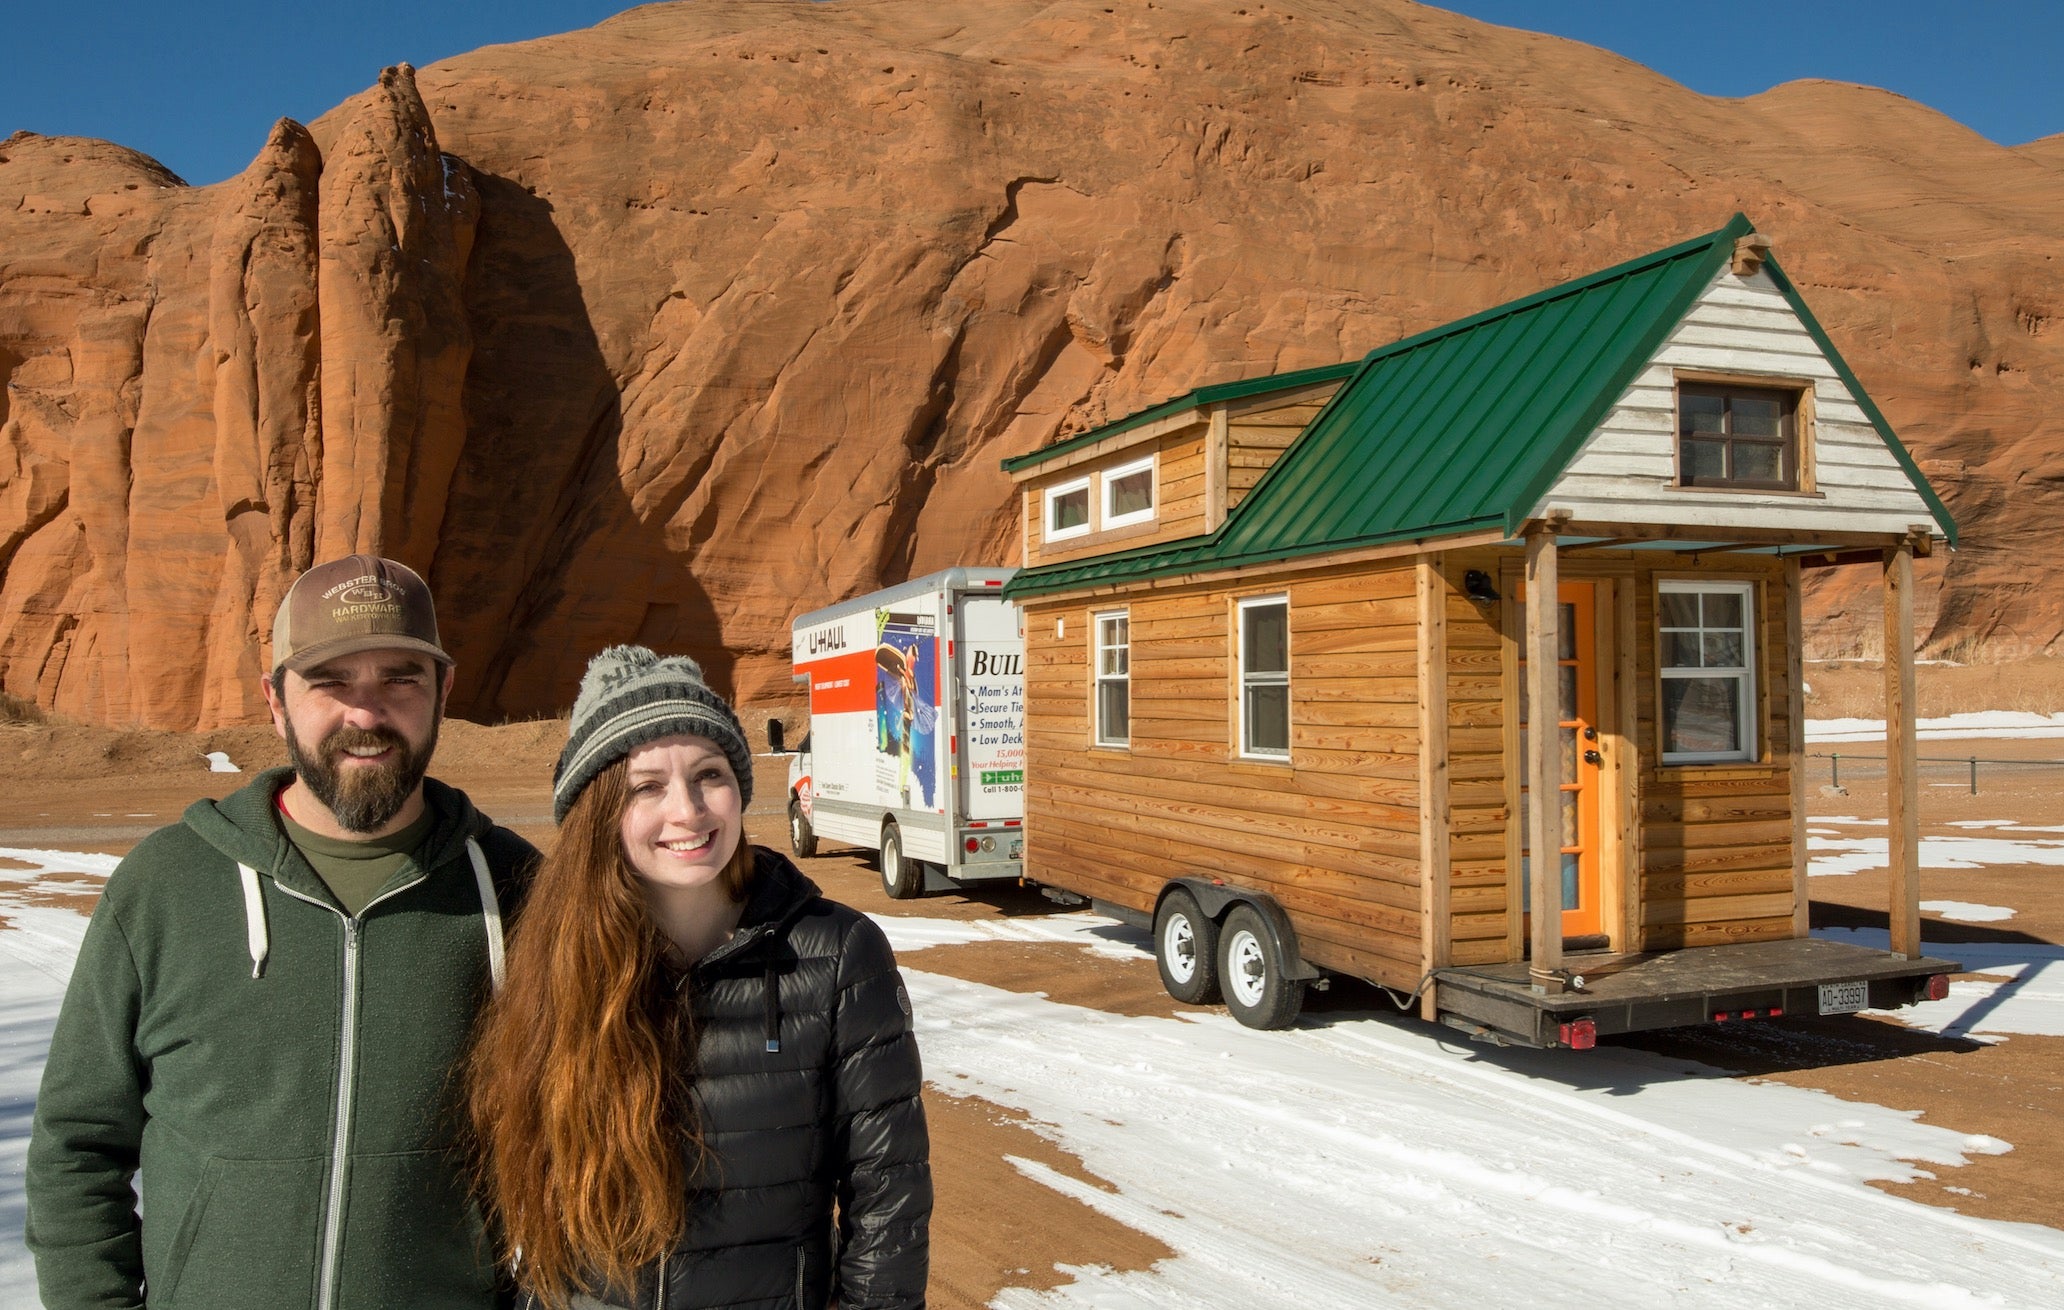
630, 696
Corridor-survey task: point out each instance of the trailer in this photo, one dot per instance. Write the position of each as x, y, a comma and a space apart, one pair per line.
1472, 668
916, 743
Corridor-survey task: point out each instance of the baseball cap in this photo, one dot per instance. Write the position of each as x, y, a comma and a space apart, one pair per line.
360, 602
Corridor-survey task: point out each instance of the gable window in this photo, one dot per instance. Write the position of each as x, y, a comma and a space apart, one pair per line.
1706, 636
1736, 436
1067, 510
1113, 679
1129, 493
1265, 677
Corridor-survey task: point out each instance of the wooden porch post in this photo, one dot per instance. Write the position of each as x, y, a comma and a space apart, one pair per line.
1435, 818
1544, 778
1902, 785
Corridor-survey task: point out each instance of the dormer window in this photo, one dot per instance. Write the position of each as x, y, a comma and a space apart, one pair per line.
1067, 510
1737, 436
1129, 493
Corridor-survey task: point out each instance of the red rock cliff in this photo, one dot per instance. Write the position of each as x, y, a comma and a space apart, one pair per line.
673, 328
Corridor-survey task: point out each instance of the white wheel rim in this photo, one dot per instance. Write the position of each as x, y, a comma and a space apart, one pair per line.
1179, 948
795, 829
1248, 975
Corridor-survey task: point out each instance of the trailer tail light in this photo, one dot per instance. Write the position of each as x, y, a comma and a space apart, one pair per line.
971, 845
1938, 987
1579, 1034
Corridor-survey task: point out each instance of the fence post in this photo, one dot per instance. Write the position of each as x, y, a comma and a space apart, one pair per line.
1974, 775
1836, 758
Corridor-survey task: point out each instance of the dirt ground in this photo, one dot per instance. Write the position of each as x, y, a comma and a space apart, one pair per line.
101, 790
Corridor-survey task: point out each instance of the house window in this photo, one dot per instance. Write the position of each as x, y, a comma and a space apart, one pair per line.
1707, 639
1265, 677
1067, 510
1113, 679
1129, 493
1730, 436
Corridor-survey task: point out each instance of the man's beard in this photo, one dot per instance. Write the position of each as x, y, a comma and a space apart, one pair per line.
362, 797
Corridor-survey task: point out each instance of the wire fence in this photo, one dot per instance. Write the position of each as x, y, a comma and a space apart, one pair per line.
1938, 770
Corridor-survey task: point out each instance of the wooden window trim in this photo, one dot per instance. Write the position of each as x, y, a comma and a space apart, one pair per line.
1799, 396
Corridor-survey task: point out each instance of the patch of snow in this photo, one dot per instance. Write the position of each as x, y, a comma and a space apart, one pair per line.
1984, 723
1845, 855
2029, 1000
1965, 912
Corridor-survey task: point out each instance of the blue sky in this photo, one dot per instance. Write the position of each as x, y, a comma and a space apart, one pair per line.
198, 87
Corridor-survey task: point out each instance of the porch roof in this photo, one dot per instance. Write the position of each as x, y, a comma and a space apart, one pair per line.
1463, 428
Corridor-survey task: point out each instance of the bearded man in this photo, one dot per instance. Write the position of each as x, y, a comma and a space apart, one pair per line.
260, 1030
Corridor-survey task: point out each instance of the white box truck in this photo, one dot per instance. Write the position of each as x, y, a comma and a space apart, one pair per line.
916, 743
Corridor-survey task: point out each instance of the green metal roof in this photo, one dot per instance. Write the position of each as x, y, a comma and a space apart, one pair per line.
1211, 395
1464, 427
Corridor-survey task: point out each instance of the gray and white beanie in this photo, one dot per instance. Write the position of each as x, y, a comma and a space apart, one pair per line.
630, 696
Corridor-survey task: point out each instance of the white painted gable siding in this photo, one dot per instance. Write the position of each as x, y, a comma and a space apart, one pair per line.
1740, 326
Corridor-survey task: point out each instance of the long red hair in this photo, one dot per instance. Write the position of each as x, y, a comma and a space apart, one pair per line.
577, 1086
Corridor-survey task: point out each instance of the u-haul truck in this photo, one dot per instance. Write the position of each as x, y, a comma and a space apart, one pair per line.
916, 744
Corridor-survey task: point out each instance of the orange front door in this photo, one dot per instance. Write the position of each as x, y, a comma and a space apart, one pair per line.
1576, 753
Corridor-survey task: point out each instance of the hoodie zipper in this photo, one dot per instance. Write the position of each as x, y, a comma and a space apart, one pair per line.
347, 1057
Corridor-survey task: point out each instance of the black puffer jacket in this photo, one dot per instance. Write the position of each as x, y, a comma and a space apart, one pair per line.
807, 1084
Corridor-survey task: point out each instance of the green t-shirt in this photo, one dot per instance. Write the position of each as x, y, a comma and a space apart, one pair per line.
356, 870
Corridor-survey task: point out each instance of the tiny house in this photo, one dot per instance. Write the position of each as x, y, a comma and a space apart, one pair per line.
1349, 670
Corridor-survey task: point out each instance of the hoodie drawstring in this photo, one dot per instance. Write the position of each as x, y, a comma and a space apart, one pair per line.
255, 936
490, 910
260, 941
773, 1007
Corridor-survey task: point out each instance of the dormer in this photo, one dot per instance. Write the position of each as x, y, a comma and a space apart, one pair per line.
1166, 473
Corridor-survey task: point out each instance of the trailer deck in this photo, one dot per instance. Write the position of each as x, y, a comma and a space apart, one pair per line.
1627, 993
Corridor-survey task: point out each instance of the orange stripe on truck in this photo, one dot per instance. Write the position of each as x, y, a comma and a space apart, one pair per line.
841, 684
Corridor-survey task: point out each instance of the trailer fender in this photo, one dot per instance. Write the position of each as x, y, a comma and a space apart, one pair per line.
1216, 899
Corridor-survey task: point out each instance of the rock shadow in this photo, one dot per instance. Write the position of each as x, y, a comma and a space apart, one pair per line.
543, 557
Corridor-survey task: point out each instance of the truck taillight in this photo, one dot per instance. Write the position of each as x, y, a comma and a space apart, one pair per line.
971, 845
1579, 1034
1938, 987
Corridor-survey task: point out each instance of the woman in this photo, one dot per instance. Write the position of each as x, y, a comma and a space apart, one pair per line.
698, 1086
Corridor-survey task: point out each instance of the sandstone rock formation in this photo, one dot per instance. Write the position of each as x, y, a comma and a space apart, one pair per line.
673, 328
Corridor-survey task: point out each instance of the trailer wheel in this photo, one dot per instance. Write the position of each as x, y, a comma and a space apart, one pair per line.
802, 838
902, 879
1186, 949
1252, 973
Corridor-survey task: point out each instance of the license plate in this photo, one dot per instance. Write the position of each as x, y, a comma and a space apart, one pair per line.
1843, 997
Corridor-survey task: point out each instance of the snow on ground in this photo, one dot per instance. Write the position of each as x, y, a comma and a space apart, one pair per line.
1373, 1160
1986, 723
2024, 988
1965, 912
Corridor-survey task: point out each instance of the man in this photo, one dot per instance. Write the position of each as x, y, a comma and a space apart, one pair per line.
270, 999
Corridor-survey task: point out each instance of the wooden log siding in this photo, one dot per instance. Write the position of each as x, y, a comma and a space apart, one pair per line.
1478, 921
1333, 834
1179, 499
1255, 441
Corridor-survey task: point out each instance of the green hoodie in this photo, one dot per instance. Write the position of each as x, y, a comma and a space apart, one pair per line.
292, 1121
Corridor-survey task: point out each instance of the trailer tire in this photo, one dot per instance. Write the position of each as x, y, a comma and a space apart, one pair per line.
901, 877
1253, 974
1186, 949
802, 838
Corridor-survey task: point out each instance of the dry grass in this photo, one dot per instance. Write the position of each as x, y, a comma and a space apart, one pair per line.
1855, 689
13, 709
